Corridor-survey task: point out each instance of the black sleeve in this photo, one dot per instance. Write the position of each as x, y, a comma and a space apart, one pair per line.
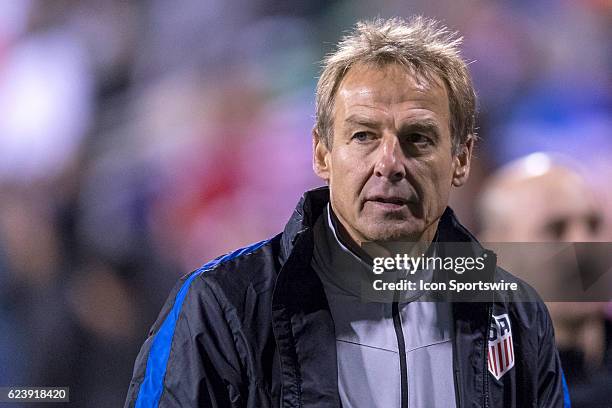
189, 358
552, 389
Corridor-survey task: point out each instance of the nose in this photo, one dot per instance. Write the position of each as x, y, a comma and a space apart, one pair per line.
389, 163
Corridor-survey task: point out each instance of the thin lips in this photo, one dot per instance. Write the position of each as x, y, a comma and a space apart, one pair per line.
389, 199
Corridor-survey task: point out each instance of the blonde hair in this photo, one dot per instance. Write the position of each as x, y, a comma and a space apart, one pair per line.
422, 45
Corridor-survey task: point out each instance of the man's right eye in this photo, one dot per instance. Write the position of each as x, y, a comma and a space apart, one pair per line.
361, 136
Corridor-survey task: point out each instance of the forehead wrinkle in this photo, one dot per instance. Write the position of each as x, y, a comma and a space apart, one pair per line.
372, 96
372, 102
397, 73
370, 111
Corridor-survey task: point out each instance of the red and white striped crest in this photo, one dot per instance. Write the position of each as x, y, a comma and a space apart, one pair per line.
501, 348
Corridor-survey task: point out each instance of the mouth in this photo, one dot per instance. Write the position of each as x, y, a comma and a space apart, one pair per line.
388, 202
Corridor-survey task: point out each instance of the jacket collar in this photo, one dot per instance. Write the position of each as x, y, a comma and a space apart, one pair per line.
306, 212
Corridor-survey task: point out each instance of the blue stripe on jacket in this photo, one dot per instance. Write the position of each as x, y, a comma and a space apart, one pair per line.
153, 384
566, 397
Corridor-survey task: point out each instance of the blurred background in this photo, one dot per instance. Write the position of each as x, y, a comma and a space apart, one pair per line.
140, 139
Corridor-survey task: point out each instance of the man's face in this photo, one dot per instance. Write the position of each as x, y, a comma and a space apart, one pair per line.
391, 166
557, 206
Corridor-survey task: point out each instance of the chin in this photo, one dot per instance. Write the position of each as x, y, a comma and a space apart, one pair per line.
385, 232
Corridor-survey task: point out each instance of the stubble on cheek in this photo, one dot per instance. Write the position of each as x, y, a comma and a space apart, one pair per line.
435, 195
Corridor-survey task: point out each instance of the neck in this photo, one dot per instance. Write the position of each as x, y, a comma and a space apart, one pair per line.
369, 249
346, 239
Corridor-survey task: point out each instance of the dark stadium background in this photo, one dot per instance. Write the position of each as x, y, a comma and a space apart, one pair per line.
140, 139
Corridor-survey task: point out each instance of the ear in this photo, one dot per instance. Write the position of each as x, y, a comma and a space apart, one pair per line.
320, 156
461, 162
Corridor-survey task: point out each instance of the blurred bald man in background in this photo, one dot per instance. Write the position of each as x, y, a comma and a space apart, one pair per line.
541, 198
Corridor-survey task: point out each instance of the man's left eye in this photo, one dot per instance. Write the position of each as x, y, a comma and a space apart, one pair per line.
419, 139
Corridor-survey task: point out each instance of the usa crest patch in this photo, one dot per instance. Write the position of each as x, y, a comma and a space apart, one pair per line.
500, 354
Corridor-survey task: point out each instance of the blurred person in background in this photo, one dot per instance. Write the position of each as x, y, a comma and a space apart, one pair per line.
541, 198
69, 308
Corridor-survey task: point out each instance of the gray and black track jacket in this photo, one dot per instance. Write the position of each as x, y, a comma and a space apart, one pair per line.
253, 329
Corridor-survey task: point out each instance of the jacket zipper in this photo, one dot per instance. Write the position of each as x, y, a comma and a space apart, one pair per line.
485, 375
457, 389
485, 346
401, 345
